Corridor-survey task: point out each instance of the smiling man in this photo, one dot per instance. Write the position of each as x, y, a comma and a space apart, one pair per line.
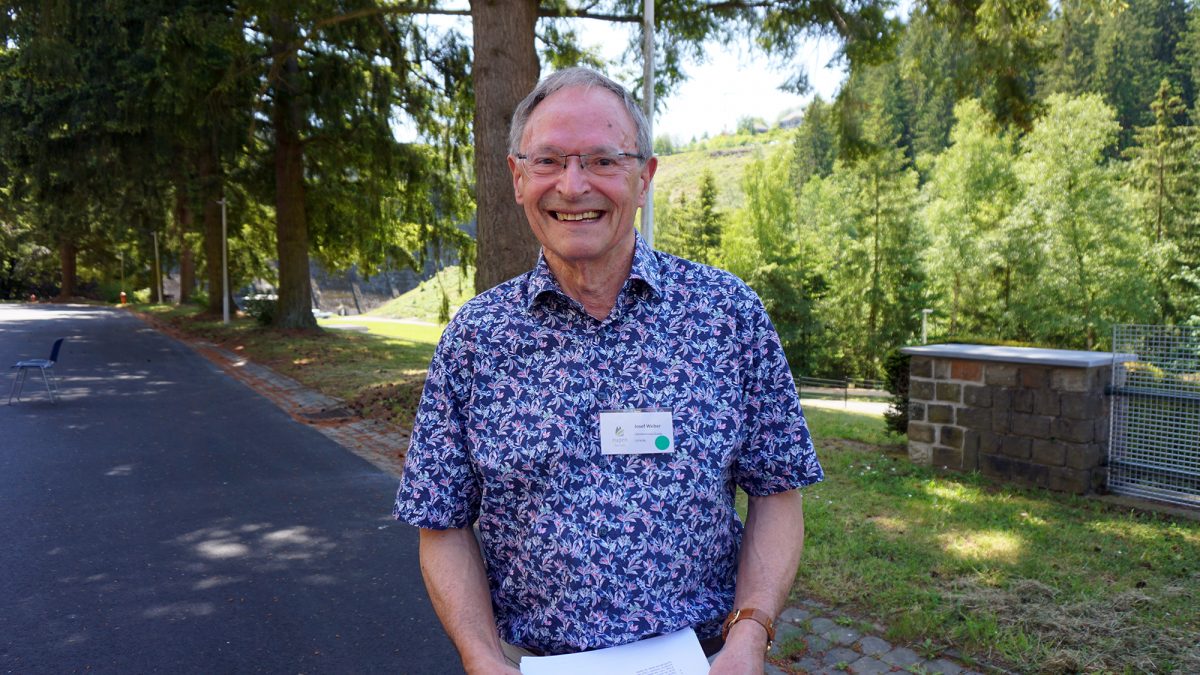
583, 428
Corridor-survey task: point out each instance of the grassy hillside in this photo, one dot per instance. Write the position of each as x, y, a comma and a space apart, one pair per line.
425, 301
726, 157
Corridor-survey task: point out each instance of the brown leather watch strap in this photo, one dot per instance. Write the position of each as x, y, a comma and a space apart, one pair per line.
757, 616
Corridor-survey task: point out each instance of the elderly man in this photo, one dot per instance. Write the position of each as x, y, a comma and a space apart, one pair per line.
592, 418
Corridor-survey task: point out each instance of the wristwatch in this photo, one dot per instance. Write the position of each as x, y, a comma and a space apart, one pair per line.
757, 616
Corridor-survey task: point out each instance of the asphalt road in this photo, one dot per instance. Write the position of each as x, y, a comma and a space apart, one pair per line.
163, 517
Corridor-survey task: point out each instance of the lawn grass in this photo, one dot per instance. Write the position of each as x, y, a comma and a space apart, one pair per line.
1032, 580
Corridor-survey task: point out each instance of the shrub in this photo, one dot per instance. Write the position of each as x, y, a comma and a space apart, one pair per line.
895, 368
262, 308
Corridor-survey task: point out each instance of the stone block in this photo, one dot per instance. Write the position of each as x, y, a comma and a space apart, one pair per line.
920, 453
979, 419
1000, 374
994, 466
1074, 481
1047, 402
1034, 377
1002, 398
1100, 429
1084, 456
949, 458
1070, 379
951, 437
977, 397
940, 414
949, 391
1022, 400
1000, 420
989, 443
1017, 447
1050, 453
970, 450
920, 390
969, 371
1075, 431
920, 366
916, 411
941, 369
1035, 426
921, 433
1030, 473
1082, 406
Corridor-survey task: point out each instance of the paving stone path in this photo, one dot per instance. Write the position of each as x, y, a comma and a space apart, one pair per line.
810, 638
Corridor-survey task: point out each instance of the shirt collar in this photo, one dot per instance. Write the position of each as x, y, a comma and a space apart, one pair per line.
644, 269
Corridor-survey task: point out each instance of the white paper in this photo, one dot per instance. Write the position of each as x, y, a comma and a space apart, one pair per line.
636, 432
676, 654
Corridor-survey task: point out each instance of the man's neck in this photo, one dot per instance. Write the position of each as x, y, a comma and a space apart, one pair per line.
593, 285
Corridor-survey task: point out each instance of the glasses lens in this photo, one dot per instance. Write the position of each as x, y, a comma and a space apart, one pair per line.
545, 164
605, 164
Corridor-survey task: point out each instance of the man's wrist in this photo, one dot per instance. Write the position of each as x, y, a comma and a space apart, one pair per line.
750, 615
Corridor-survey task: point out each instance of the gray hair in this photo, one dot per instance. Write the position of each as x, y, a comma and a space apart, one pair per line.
578, 77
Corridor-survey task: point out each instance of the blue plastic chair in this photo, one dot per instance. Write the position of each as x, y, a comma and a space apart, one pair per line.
43, 365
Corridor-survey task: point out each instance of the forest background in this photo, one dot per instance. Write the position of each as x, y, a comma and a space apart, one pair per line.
1026, 171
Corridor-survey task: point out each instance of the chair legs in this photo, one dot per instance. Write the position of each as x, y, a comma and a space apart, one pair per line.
19, 384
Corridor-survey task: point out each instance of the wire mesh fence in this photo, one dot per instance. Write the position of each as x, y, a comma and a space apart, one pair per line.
1154, 444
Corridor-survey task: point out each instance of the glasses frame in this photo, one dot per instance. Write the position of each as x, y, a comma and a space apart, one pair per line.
583, 162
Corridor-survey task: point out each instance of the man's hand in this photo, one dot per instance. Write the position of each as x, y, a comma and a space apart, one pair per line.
745, 651
495, 668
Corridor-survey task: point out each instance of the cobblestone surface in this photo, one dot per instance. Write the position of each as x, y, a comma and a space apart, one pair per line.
812, 637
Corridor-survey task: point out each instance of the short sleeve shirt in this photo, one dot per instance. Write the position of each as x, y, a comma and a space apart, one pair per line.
585, 550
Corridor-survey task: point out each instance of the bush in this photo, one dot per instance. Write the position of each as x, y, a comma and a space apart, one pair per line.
262, 307
895, 368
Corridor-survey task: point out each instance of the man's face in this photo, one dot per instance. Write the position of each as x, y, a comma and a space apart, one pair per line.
581, 219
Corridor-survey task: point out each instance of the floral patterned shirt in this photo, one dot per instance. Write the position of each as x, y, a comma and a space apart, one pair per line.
585, 550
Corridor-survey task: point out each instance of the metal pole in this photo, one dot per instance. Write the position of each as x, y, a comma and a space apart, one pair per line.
924, 319
224, 265
157, 270
648, 103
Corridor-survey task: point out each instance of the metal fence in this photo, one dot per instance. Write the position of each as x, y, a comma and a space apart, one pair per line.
1154, 444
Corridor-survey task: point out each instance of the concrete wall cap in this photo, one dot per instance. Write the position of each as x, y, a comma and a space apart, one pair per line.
1063, 358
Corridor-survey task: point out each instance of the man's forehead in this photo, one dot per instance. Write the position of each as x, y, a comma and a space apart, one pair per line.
592, 112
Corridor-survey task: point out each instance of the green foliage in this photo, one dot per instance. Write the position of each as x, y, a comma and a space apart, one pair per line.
1078, 254
1164, 185
692, 229
895, 375
968, 197
262, 309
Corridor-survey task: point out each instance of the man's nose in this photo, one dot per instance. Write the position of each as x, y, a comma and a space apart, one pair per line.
574, 179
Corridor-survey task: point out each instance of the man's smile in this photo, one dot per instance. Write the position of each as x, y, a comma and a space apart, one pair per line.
582, 215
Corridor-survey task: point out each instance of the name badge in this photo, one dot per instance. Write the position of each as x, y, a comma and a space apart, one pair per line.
636, 432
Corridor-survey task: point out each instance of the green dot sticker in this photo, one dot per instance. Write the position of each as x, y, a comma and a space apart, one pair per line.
662, 442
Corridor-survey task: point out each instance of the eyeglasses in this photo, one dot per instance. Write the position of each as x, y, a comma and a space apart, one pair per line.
603, 164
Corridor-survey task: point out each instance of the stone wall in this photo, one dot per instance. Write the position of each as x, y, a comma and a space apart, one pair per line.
1034, 417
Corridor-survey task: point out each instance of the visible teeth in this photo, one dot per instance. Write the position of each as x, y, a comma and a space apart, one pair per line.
586, 215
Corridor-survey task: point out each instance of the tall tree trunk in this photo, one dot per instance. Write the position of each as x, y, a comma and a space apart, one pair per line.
291, 222
504, 70
184, 219
210, 192
67, 252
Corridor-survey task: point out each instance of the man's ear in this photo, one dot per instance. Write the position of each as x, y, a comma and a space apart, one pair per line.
646, 176
517, 177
